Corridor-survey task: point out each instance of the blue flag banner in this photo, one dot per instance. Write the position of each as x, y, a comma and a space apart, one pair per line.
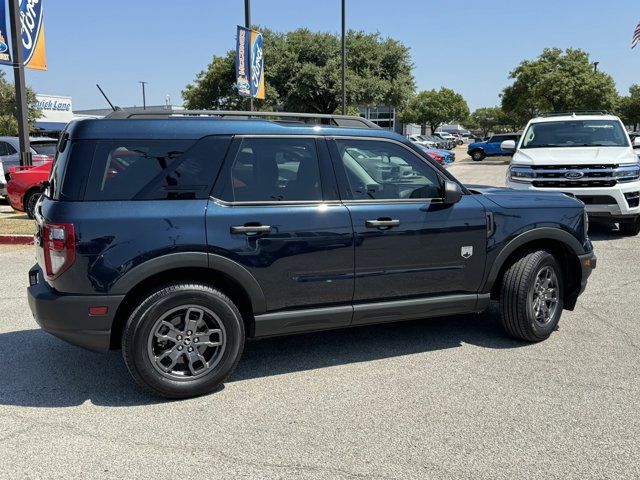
34, 53
5, 53
249, 71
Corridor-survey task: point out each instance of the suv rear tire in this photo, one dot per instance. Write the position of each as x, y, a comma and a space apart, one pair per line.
477, 155
183, 340
630, 227
531, 296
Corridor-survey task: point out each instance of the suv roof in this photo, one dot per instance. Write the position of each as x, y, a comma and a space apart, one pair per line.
197, 127
563, 117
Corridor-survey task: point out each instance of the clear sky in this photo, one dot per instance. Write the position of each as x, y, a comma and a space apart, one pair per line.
469, 46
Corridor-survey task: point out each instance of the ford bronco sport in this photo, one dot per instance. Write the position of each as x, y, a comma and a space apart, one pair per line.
177, 239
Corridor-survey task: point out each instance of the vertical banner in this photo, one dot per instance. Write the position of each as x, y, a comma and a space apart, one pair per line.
242, 62
33, 43
257, 66
249, 77
5, 53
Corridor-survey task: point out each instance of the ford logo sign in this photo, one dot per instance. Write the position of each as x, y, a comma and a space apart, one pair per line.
257, 59
574, 174
31, 20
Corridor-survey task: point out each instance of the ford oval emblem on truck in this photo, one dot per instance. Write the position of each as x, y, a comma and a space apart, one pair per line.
574, 174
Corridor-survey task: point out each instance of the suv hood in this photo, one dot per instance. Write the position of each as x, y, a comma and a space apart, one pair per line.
574, 156
521, 199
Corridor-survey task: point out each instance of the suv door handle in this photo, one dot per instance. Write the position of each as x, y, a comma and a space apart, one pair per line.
251, 229
382, 223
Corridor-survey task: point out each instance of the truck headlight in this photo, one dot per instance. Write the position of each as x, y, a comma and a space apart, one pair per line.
627, 173
521, 174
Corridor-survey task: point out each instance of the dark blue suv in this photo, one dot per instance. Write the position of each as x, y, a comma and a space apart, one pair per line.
177, 239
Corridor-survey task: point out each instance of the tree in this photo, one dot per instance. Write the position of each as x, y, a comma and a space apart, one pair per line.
629, 107
9, 110
487, 119
557, 81
303, 74
434, 108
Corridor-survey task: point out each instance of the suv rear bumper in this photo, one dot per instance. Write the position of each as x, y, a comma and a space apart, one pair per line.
617, 207
67, 316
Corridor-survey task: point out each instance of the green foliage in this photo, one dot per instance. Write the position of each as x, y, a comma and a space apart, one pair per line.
493, 119
557, 81
8, 109
629, 107
303, 74
435, 108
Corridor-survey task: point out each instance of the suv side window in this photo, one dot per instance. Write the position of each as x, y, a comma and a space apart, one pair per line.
380, 170
274, 170
154, 169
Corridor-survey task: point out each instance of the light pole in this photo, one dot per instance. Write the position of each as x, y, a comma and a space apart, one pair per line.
144, 97
595, 67
344, 60
247, 24
18, 70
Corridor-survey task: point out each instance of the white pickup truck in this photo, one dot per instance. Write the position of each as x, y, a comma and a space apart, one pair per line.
588, 155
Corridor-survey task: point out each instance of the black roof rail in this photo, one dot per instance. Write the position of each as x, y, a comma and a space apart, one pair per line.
575, 112
292, 118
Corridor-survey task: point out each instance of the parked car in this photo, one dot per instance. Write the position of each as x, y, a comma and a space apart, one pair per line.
423, 140
478, 151
448, 139
178, 238
26, 186
588, 155
41, 148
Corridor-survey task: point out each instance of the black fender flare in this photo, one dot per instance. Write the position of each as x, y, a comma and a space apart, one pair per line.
542, 233
215, 263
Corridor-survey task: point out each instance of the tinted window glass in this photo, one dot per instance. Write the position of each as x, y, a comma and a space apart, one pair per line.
48, 149
385, 170
275, 169
3, 149
154, 170
575, 133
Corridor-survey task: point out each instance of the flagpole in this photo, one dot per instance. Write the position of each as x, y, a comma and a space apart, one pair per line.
21, 94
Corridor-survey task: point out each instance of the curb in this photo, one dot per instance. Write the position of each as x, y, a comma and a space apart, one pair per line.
16, 239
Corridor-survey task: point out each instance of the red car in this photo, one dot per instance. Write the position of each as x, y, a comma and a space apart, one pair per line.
25, 185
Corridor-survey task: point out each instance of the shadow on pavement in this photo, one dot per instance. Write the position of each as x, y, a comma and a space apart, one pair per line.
42, 371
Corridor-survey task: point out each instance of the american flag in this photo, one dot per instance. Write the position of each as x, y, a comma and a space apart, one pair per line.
636, 37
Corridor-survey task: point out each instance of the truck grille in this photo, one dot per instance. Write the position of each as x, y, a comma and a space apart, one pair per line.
574, 176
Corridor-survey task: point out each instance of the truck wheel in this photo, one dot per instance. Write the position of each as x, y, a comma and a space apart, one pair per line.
630, 227
477, 155
531, 296
29, 202
183, 340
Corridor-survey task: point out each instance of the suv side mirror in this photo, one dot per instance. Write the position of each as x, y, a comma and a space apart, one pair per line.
508, 145
636, 142
452, 193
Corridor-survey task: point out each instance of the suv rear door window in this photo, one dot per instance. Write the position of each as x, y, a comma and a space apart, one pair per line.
154, 169
274, 170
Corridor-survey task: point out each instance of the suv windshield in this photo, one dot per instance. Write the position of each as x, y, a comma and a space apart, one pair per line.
575, 133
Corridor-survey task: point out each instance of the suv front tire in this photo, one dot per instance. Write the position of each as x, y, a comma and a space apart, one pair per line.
531, 296
183, 340
477, 155
630, 227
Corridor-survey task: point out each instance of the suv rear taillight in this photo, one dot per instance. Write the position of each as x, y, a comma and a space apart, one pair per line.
59, 243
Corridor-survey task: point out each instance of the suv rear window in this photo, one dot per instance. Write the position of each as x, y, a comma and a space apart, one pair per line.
154, 169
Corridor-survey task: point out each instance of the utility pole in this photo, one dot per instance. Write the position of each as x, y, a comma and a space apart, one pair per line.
21, 93
144, 97
344, 60
247, 24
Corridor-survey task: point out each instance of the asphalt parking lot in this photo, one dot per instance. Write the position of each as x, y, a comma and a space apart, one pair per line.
440, 398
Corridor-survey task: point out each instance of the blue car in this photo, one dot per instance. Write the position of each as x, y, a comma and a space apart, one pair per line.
490, 148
